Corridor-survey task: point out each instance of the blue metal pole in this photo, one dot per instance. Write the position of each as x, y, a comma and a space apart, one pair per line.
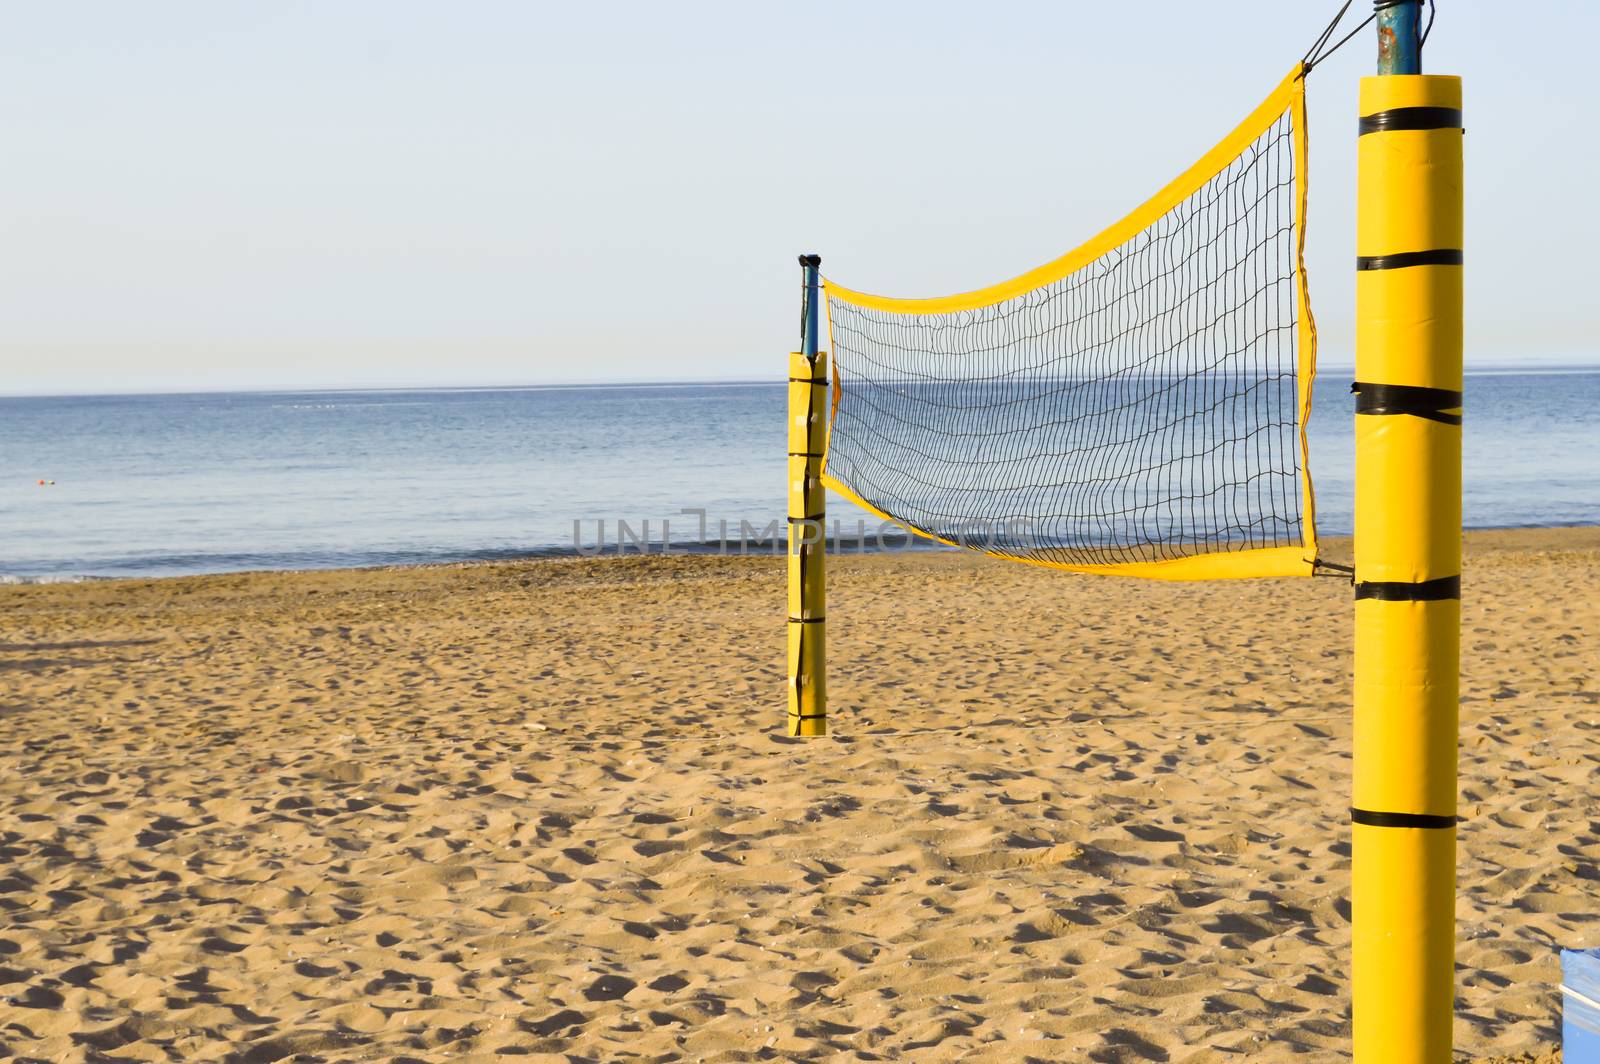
811, 263
1399, 36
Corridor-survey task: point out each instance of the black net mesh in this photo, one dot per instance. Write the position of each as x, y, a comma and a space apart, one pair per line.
1139, 409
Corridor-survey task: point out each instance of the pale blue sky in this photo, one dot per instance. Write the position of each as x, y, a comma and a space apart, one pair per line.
217, 194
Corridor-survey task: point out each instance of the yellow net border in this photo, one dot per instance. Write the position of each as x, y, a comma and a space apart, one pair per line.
1288, 96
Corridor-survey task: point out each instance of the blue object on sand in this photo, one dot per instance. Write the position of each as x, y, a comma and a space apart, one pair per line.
1580, 1006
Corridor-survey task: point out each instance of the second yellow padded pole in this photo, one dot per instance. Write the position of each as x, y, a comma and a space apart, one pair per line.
808, 440
808, 389
1408, 567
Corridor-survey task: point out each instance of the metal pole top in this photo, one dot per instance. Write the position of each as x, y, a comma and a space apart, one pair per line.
808, 317
1399, 36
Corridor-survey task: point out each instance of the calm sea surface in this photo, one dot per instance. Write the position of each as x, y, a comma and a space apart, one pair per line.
167, 484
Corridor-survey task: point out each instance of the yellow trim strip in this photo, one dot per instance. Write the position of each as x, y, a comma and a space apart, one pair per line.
1289, 90
1308, 325
1224, 565
835, 391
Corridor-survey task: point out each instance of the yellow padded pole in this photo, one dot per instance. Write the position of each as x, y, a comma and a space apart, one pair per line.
808, 406
1408, 567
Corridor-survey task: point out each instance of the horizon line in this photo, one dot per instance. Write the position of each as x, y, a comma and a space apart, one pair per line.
1503, 369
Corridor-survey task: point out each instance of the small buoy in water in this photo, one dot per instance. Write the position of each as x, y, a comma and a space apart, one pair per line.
41, 483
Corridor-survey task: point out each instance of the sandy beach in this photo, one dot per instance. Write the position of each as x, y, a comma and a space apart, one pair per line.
546, 810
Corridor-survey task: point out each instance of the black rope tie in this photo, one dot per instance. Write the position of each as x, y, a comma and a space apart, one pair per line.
1440, 589
1410, 118
1317, 53
1406, 259
1435, 404
1335, 569
1373, 818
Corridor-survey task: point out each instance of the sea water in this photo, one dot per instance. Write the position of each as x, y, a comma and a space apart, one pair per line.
155, 485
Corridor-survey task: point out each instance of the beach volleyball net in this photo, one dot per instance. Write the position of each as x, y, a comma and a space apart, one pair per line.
1137, 406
